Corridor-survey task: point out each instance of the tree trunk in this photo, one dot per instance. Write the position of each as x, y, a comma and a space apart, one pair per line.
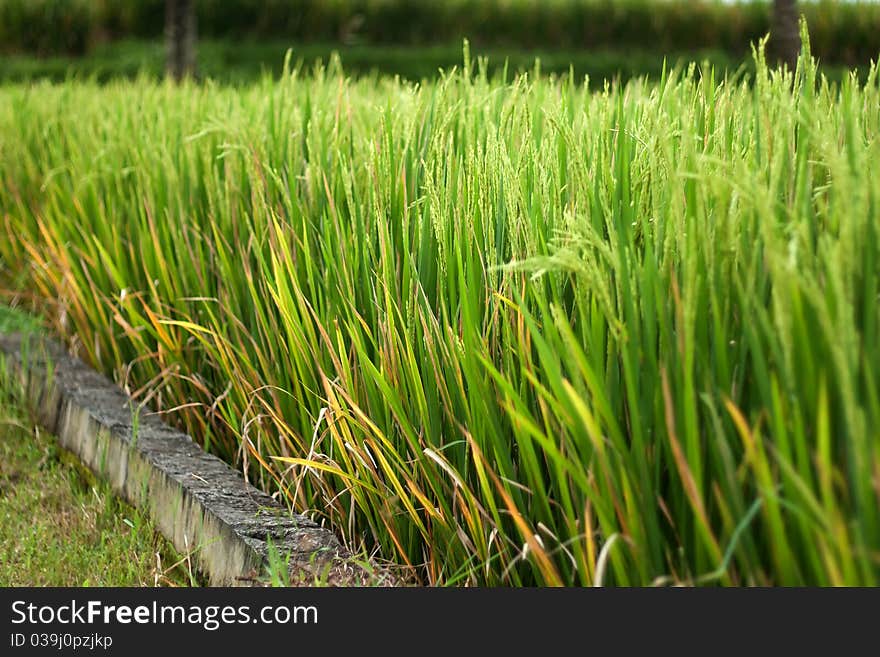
180, 38
785, 38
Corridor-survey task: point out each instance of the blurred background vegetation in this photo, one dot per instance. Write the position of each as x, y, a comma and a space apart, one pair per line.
239, 39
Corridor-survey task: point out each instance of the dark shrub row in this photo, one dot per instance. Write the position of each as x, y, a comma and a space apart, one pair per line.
841, 32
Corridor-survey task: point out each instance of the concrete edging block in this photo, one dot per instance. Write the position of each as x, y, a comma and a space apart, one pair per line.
196, 500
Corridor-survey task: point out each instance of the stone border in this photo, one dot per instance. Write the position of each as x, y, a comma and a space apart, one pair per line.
203, 506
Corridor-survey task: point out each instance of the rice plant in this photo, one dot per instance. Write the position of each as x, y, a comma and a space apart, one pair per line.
501, 331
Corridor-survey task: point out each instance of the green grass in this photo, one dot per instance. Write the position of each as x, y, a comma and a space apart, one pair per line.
58, 526
503, 332
244, 62
13, 320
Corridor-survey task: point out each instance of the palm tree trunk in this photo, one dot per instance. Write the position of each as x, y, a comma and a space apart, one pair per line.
785, 39
180, 38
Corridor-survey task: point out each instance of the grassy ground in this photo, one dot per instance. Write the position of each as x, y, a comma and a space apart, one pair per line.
244, 61
60, 527
13, 320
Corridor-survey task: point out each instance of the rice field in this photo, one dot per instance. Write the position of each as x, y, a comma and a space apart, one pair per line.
499, 331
